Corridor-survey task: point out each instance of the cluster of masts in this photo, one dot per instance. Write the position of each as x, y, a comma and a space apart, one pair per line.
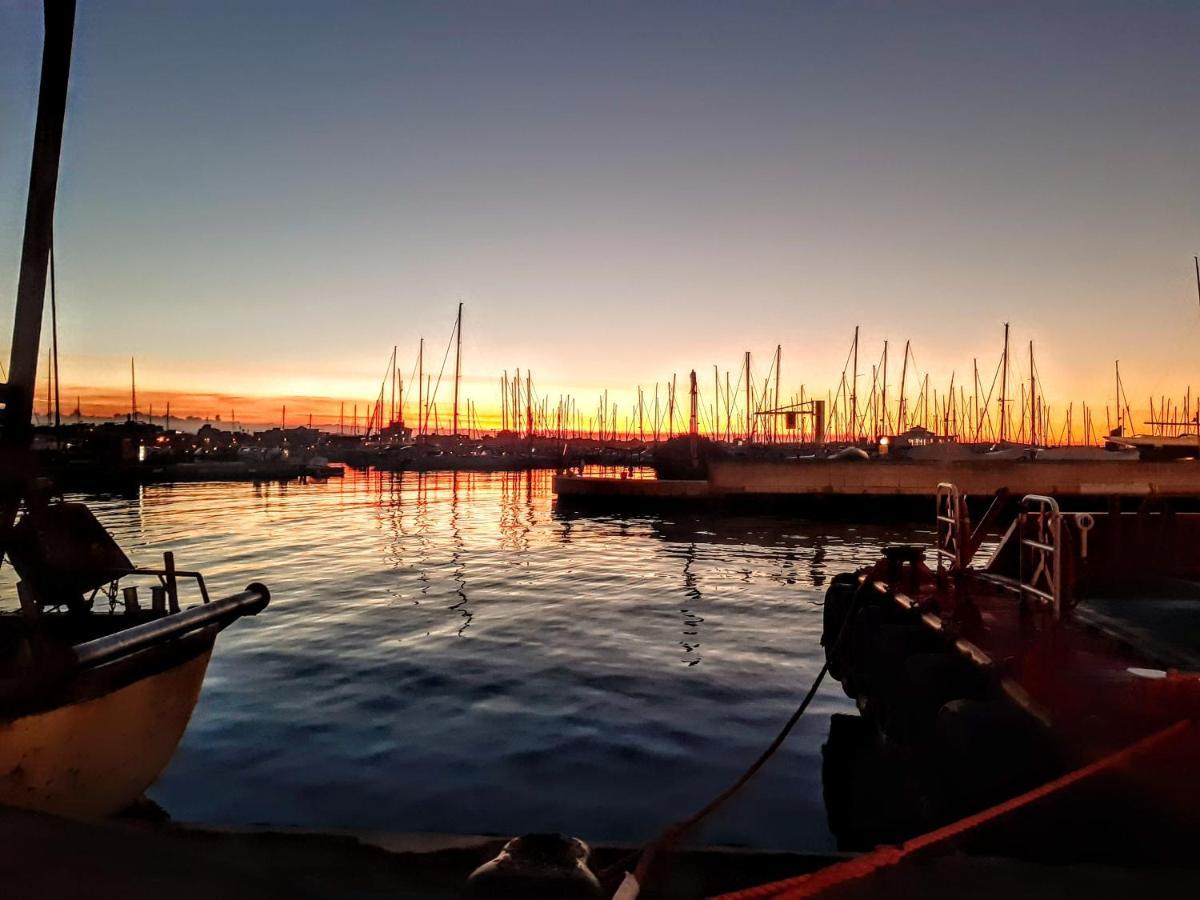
748, 407
995, 408
1000, 409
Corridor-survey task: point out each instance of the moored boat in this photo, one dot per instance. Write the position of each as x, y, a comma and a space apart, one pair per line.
1072, 637
96, 686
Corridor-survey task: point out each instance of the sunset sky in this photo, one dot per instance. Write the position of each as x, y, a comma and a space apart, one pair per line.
259, 199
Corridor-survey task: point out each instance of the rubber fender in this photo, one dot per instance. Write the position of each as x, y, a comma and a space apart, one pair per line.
839, 598
924, 683
884, 649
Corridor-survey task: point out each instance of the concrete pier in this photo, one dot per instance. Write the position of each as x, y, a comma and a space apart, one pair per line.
842, 481
628, 490
910, 478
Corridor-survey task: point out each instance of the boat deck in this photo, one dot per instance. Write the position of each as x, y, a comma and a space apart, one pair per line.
1118, 647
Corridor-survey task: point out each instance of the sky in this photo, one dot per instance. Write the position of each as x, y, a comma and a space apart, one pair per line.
259, 199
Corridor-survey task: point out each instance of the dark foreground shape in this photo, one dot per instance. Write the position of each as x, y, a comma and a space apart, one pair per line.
50, 858
1040, 703
536, 867
45, 857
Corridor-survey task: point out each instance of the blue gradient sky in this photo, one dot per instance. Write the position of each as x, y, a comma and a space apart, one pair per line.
261, 198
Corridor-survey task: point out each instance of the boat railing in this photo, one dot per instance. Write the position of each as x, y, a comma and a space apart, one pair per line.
1040, 567
164, 597
220, 613
951, 529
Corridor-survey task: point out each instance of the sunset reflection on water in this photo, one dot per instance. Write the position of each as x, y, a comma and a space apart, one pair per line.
449, 652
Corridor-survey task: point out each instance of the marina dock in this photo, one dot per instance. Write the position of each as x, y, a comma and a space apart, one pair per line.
630, 490
913, 478
732, 480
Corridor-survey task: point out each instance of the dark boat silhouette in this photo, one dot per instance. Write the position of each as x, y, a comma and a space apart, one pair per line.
96, 684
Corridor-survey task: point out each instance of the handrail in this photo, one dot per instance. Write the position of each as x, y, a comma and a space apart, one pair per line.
1042, 550
950, 540
130, 640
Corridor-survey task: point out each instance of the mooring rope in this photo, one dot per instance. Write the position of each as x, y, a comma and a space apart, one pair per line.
812, 884
671, 835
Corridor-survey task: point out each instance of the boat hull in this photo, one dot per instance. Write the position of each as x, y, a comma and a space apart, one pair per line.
96, 756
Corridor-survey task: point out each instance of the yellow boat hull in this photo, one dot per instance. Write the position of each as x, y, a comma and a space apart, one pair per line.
95, 757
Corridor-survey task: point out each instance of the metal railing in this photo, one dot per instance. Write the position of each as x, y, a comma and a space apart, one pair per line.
951, 528
127, 641
1040, 569
164, 596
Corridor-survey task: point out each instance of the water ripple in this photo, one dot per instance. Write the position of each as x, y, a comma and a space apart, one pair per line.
448, 653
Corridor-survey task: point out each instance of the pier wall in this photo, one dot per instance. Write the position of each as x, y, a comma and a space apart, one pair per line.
910, 478
590, 487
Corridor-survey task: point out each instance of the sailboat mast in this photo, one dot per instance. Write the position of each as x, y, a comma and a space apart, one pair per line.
39, 225
1032, 400
1004, 388
694, 411
421, 387
854, 391
774, 417
716, 403
457, 364
975, 397
1117, 367
883, 388
392, 404
728, 408
749, 412
54, 340
1196, 260
528, 405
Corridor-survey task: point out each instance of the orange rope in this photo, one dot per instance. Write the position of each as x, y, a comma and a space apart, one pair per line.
815, 882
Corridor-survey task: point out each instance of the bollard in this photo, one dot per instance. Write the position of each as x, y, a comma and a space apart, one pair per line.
131, 598
536, 867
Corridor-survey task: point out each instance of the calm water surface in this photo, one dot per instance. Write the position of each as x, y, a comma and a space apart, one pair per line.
450, 653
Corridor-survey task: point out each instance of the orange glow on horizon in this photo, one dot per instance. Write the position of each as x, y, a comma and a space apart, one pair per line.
189, 409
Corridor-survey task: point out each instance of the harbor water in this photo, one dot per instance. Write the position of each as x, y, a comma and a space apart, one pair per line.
451, 653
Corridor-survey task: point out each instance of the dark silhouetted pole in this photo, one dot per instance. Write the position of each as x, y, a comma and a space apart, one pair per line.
54, 339
749, 411
59, 16
1004, 389
457, 364
854, 391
